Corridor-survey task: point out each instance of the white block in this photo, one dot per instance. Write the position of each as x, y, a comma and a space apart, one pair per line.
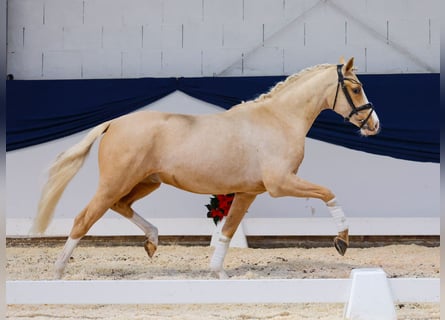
402, 8
264, 11
202, 35
102, 64
151, 63
410, 33
152, 36
363, 34
370, 296
63, 12
25, 13
287, 34
223, 62
227, 11
162, 36
175, 11
394, 62
317, 35
132, 64
84, 37
122, 37
104, 12
299, 58
43, 37
62, 65
182, 63
172, 36
264, 62
242, 35
15, 39
25, 64
296, 8
140, 12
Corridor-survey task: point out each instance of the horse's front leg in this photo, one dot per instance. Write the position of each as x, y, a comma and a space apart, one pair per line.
291, 185
341, 242
238, 209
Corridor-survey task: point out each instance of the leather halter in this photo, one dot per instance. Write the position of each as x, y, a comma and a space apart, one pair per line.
355, 110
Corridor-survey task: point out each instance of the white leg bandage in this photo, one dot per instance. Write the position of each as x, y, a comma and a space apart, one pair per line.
64, 256
337, 213
221, 246
150, 230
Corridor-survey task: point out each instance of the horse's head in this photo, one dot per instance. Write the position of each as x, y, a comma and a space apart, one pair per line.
350, 100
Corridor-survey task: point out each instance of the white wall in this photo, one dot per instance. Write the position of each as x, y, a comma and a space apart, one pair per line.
58, 39
368, 186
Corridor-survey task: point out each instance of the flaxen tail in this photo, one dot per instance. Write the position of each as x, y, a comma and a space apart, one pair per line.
64, 168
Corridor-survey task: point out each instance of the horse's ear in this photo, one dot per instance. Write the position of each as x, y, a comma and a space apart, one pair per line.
350, 65
341, 60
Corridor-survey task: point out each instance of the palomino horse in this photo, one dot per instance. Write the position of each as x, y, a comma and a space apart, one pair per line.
252, 148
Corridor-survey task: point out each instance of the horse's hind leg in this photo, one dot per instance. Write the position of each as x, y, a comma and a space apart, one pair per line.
101, 202
123, 206
82, 223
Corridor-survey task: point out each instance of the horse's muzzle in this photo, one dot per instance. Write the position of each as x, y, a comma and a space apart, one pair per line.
367, 130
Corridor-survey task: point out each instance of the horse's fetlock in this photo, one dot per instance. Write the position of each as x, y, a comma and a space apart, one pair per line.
153, 235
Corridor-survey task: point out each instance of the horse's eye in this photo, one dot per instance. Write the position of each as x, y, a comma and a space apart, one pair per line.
356, 90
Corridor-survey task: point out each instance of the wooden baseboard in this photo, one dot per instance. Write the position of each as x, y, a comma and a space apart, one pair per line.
253, 241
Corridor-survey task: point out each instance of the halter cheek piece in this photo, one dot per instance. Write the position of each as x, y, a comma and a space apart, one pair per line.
355, 110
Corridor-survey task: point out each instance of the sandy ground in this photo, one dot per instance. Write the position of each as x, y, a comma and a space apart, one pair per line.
191, 262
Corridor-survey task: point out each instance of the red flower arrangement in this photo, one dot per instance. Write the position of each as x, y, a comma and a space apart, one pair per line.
219, 206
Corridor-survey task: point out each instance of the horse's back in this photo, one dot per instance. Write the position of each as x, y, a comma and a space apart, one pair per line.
140, 126
159, 134
187, 151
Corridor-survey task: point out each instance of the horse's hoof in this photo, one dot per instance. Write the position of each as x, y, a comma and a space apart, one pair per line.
341, 242
340, 245
59, 267
58, 273
150, 247
221, 274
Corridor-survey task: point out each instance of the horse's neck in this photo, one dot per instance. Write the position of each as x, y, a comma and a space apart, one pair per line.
301, 102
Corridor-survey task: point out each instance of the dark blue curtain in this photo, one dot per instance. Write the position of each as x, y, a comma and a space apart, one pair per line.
407, 105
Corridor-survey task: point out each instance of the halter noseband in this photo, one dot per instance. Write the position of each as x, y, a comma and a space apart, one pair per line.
355, 110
